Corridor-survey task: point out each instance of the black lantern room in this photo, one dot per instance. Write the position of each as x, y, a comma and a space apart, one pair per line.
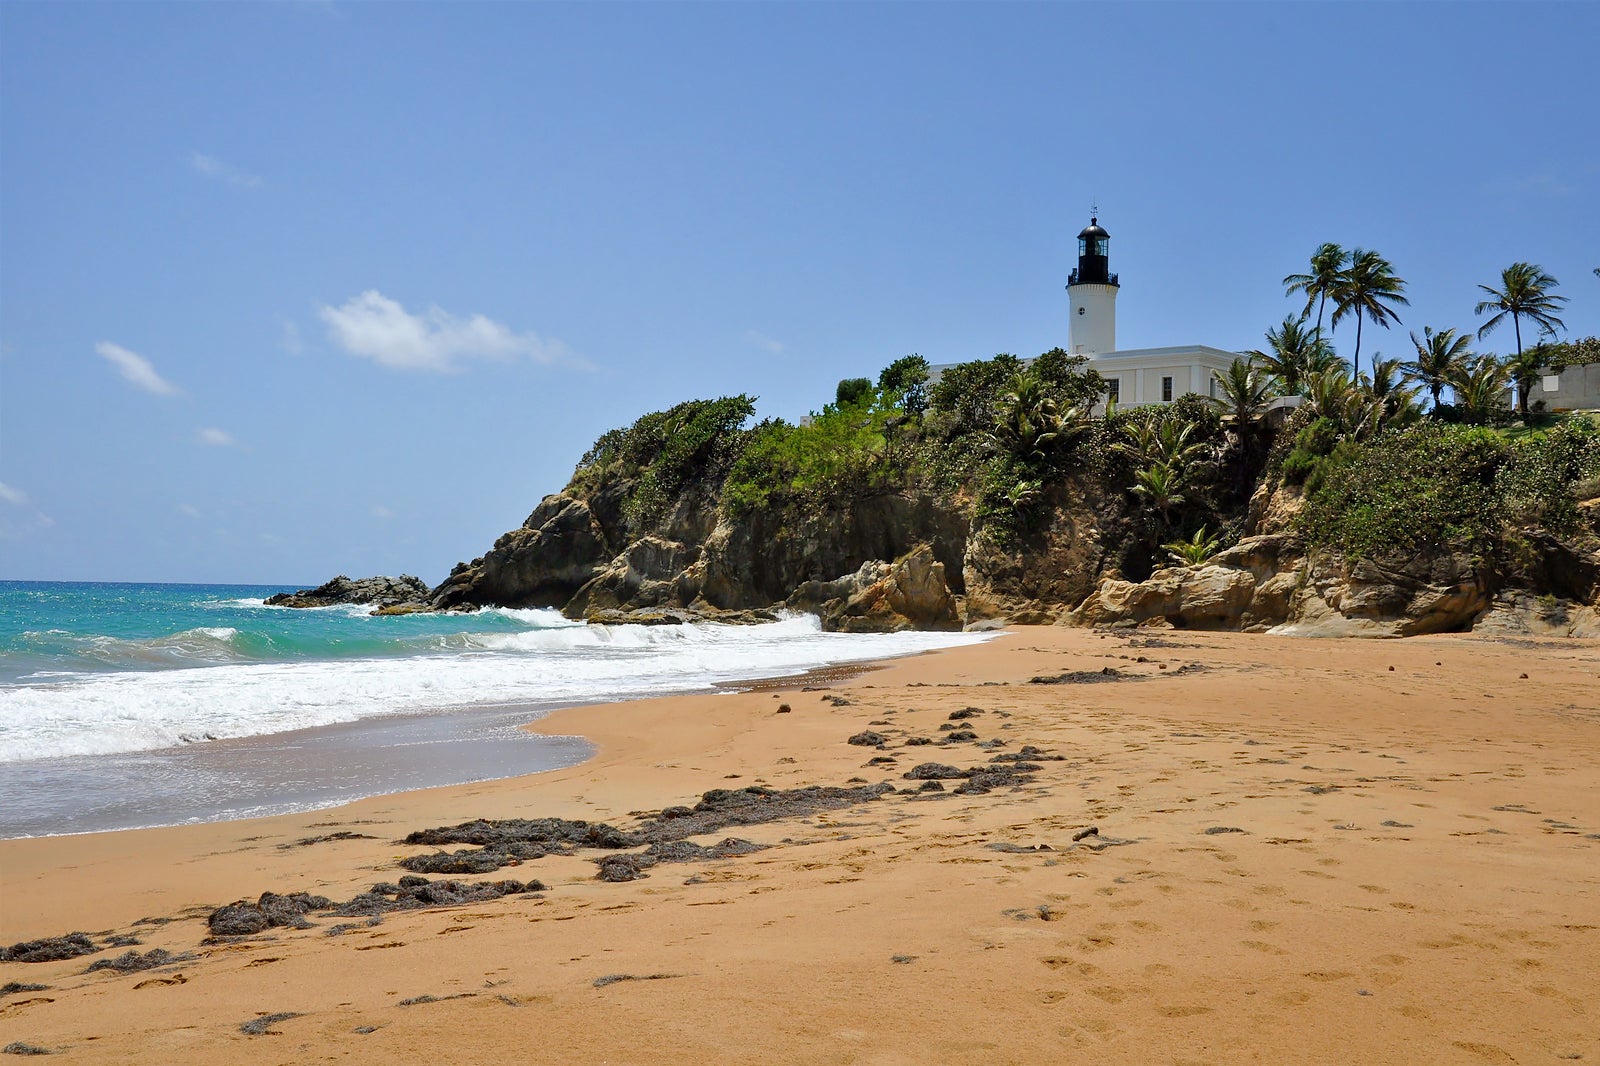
1094, 264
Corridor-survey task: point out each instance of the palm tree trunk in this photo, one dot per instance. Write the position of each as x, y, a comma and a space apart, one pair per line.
1358, 344
1516, 324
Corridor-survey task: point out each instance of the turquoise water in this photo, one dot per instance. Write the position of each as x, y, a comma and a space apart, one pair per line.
125, 704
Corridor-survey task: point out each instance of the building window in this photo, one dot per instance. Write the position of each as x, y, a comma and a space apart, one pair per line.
1114, 390
1166, 389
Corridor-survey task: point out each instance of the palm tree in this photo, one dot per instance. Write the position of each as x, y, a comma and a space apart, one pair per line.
1522, 369
1327, 274
1245, 393
1438, 356
1479, 384
1395, 405
1524, 293
1295, 352
1369, 286
1196, 550
1029, 425
1161, 486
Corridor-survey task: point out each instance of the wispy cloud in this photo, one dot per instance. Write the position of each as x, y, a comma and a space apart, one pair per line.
18, 515
375, 327
220, 170
136, 369
761, 340
291, 338
189, 509
216, 438
380, 511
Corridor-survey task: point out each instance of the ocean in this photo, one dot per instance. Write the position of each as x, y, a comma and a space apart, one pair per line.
126, 705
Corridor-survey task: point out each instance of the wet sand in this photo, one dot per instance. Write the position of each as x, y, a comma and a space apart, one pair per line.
1299, 855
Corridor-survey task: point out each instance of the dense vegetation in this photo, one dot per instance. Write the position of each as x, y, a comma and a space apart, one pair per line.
1385, 460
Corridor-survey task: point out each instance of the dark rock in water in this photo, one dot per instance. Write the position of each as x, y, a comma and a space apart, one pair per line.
868, 739
50, 949
380, 592
133, 962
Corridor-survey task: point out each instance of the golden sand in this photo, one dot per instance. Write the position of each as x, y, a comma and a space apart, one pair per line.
1306, 852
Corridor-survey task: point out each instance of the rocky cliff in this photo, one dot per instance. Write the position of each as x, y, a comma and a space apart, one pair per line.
990, 499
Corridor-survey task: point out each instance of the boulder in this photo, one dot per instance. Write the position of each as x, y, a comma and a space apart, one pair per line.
1397, 596
1249, 586
912, 594
380, 592
1517, 613
560, 548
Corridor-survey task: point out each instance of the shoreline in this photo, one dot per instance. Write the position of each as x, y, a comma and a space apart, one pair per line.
1189, 925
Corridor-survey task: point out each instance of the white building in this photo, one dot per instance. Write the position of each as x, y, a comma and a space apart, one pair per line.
1133, 375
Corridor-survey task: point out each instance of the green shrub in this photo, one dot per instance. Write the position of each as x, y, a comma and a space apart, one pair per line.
1429, 486
1538, 482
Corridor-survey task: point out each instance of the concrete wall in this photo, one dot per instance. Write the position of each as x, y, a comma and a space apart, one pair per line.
1094, 319
1577, 389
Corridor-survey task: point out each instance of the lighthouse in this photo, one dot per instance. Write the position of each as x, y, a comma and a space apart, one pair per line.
1092, 290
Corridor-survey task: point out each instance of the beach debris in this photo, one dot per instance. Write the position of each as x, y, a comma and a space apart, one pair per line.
343, 834
630, 866
1081, 677
959, 736
11, 988
1092, 831
415, 893
505, 831
345, 927
882, 760
902, 960
965, 713
614, 978
243, 918
17, 1047
133, 962
934, 771
122, 940
365, 1029
262, 1025
1217, 830
51, 949
838, 701
1018, 849
417, 1000
481, 861
868, 739
917, 742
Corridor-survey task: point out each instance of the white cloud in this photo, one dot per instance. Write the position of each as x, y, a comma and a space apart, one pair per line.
212, 167
189, 509
375, 327
20, 517
136, 369
216, 438
761, 340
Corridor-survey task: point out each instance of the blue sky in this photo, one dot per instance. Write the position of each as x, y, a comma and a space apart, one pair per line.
295, 289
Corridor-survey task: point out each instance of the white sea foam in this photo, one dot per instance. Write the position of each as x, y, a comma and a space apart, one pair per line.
135, 711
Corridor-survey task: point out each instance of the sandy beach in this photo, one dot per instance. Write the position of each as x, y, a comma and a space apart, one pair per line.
1231, 848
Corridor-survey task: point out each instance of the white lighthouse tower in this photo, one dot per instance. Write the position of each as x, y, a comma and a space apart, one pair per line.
1092, 289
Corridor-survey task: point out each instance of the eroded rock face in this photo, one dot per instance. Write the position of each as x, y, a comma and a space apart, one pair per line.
1041, 578
380, 592
911, 593
1400, 596
1515, 613
1249, 586
560, 548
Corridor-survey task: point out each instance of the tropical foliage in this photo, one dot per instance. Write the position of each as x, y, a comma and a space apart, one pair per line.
1439, 356
1366, 291
1524, 293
